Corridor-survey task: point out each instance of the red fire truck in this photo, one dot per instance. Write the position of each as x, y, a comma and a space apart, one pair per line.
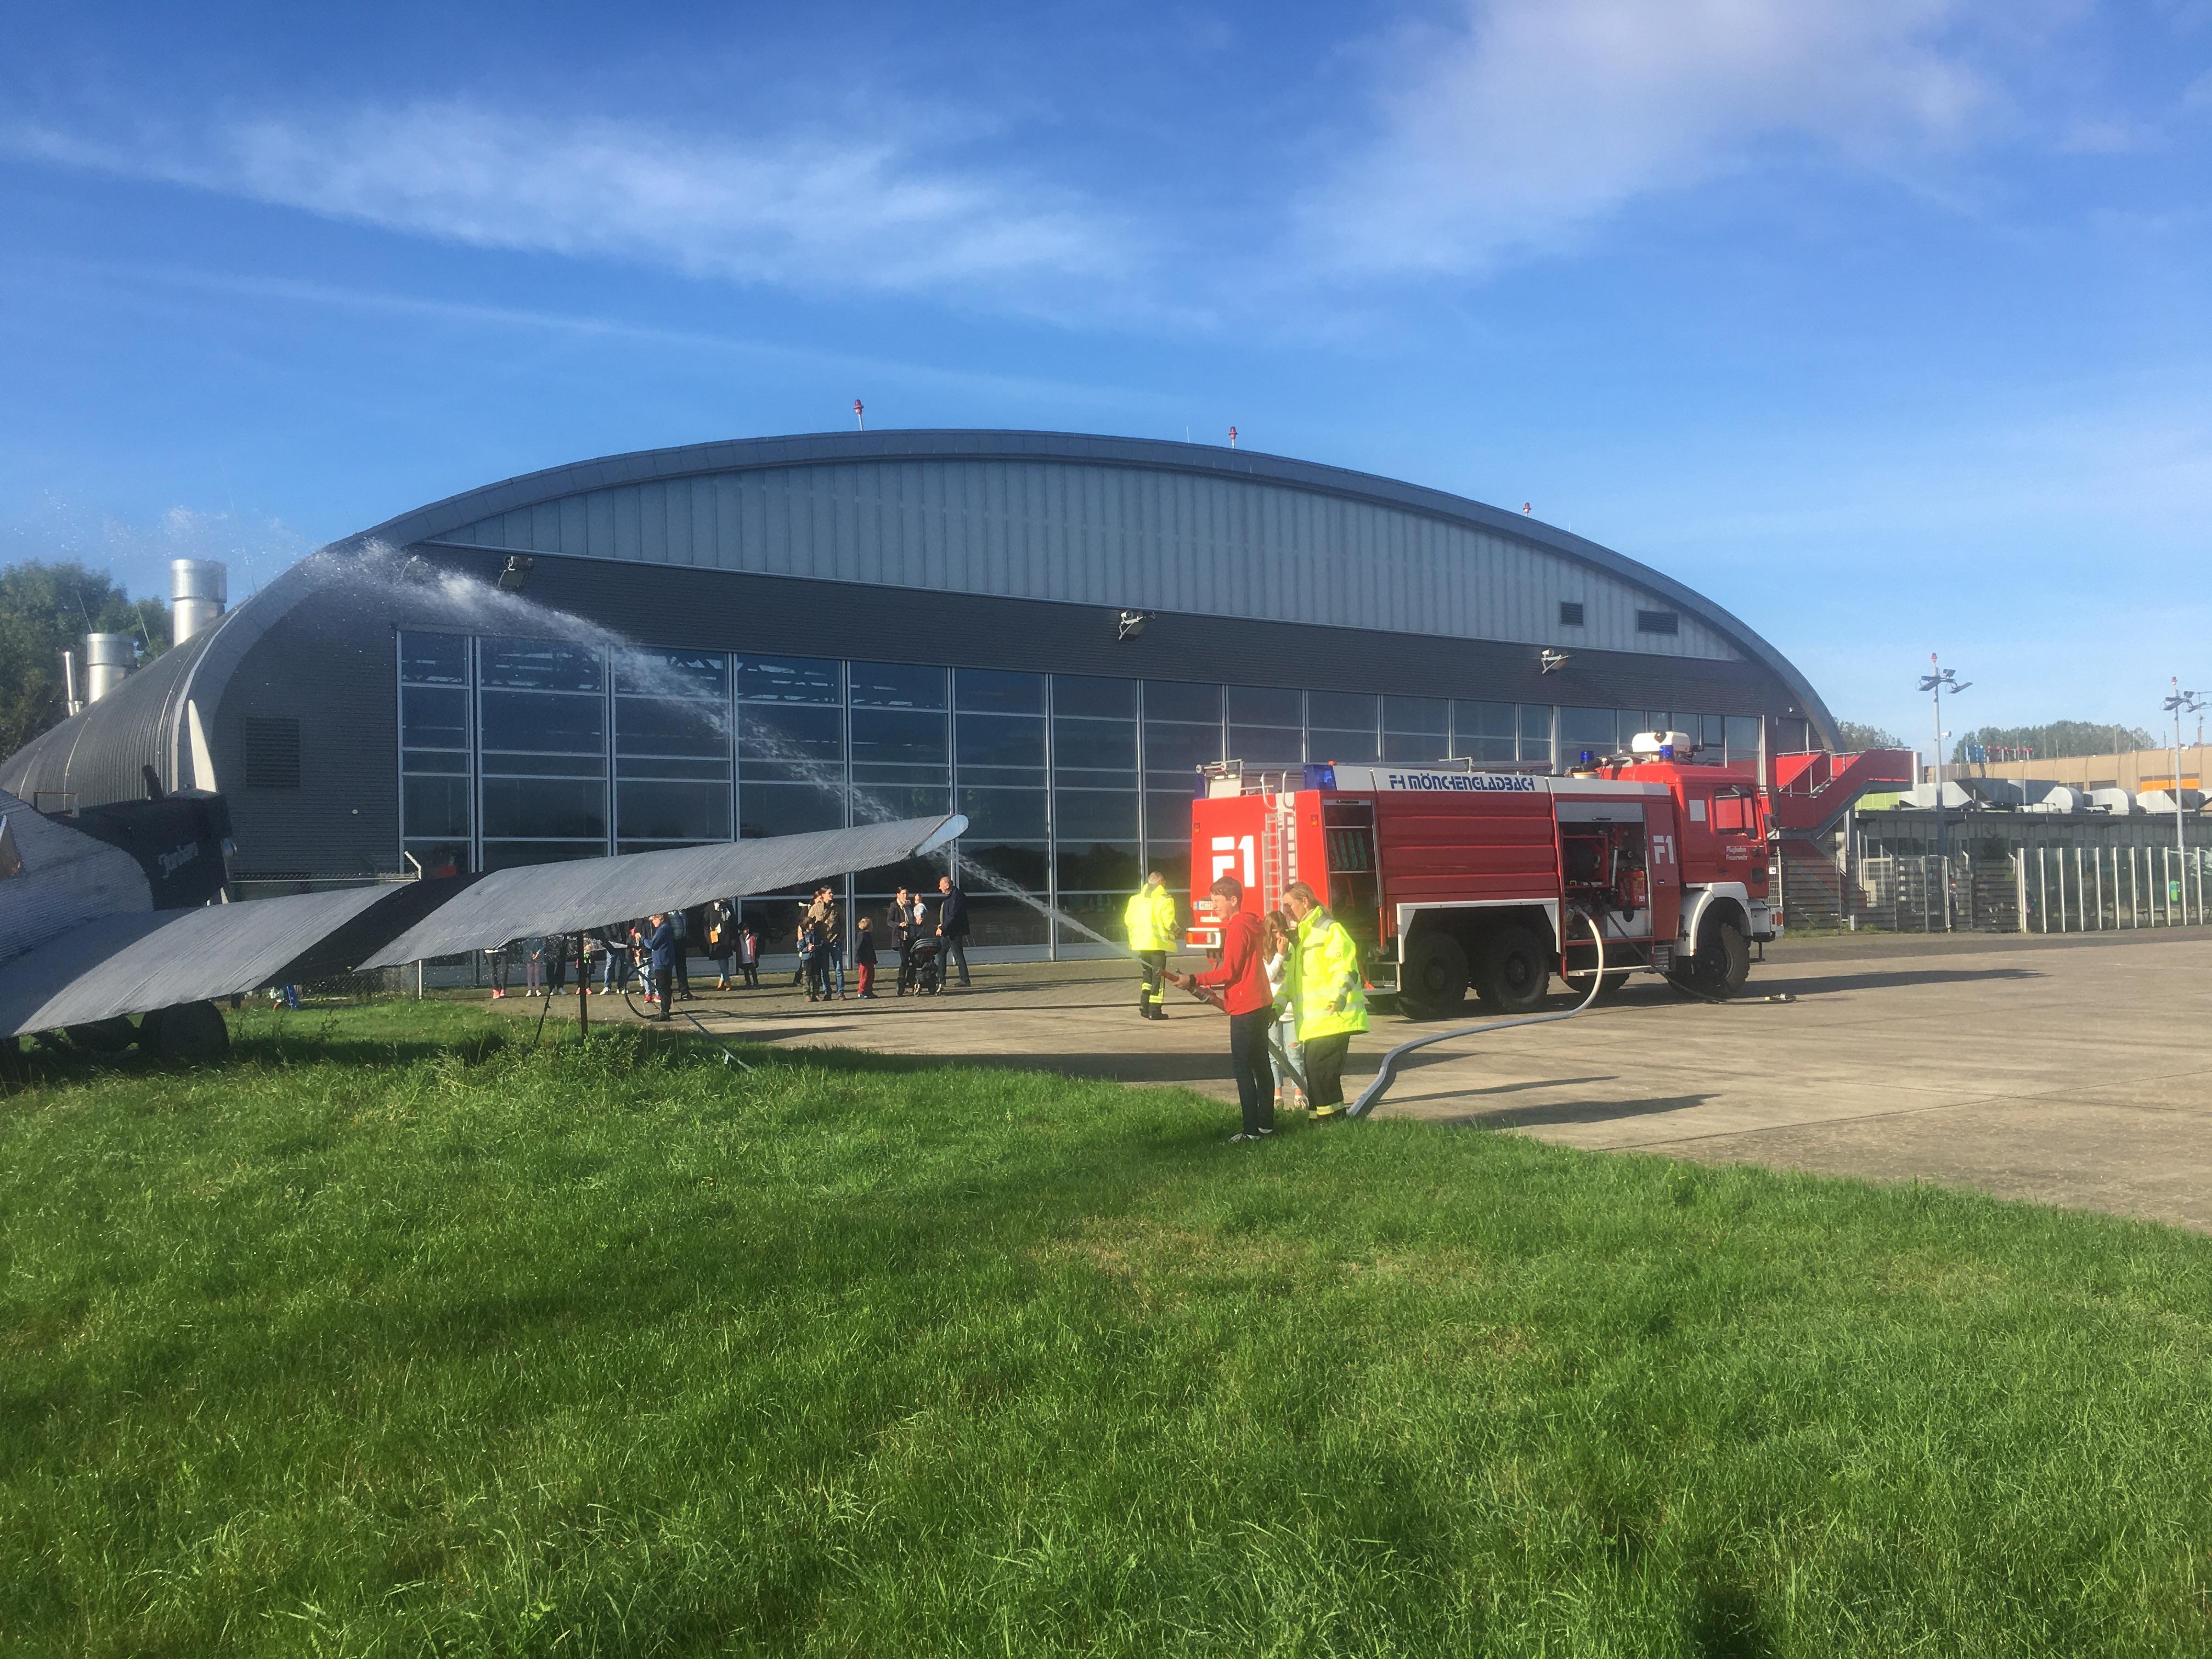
1456, 880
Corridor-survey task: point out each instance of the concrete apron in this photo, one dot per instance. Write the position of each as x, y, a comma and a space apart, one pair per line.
2075, 1071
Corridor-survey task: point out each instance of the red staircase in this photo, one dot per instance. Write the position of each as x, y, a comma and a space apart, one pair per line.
1807, 793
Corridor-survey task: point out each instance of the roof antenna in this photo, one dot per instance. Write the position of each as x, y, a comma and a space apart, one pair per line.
860, 416
1232, 437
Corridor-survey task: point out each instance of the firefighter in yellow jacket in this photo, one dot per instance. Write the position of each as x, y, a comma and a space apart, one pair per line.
1330, 995
1150, 916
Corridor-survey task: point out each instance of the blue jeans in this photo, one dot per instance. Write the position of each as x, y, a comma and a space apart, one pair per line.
837, 963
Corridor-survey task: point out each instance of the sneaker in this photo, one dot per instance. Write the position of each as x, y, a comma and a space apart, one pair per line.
1239, 1138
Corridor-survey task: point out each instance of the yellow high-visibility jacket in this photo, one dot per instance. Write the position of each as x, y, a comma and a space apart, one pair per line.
1150, 916
1327, 965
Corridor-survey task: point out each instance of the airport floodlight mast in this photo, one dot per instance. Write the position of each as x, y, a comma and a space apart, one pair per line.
1936, 682
2181, 703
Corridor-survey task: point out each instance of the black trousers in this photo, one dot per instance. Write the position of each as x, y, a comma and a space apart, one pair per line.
682, 971
955, 950
1248, 1057
751, 971
1324, 1058
1153, 992
658, 978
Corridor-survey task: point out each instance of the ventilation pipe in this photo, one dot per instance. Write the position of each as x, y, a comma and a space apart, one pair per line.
108, 660
198, 588
68, 683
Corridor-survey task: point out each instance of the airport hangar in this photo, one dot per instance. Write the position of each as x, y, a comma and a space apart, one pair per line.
1045, 632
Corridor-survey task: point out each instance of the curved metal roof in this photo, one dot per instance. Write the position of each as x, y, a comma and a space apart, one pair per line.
513, 514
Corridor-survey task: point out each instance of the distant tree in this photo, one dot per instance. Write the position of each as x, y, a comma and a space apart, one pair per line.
2059, 741
47, 609
1858, 736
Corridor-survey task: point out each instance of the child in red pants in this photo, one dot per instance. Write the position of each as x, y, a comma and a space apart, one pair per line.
864, 957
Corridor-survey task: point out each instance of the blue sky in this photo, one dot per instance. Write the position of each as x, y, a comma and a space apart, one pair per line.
1887, 322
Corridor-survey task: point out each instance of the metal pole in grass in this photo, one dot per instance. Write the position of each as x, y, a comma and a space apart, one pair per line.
583, 991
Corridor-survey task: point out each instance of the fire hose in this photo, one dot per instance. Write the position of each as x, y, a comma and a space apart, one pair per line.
1386, 1072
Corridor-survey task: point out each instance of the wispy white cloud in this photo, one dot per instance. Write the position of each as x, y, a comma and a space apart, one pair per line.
826, 211
1528, 119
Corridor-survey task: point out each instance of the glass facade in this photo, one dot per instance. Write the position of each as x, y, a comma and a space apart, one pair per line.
519, 751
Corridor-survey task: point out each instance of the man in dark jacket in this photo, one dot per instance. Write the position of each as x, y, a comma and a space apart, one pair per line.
660, 947
952, 927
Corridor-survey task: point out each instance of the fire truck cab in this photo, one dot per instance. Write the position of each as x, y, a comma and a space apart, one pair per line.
1452, 879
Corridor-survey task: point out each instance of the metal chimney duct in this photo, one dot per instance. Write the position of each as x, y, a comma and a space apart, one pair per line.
108, 660
198, 588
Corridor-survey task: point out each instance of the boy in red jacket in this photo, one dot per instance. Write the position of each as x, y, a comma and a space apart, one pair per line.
1241, 977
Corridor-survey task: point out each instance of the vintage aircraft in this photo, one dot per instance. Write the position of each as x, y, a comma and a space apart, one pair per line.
120, 910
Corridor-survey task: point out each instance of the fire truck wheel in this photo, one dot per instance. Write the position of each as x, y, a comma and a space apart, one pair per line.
1723, 959
1433, 981
1515, 972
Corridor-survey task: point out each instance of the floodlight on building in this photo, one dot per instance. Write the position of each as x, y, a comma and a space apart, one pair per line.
1553, 661
1132, 623
515, 575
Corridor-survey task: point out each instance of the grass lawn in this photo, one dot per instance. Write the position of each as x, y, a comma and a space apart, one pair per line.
396, 1336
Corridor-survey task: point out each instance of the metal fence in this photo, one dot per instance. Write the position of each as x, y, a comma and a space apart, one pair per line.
2029, 889
2086, 890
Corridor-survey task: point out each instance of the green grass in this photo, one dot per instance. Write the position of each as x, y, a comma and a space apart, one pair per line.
398, 1337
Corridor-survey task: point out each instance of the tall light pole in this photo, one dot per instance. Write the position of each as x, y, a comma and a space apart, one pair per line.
1936, 682
2181, 703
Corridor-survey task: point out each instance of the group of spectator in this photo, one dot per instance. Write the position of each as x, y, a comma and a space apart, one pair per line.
655, 952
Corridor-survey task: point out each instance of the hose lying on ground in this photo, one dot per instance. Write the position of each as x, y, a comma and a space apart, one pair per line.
1386, 1072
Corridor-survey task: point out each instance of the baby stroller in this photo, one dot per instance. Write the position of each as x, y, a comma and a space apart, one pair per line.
925, 967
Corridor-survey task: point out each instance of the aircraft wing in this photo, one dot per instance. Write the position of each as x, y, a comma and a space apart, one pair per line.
567, 899
130, 963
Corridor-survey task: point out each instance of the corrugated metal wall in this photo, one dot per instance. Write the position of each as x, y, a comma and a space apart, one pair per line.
1105, 535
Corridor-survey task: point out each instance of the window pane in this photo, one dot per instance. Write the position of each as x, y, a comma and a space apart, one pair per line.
672, 811
1180, 748
900, 737
1340, 711
1099, 913
1172, 860
789, 679
790, 734
1001, 741
1111, 865
543, 725
433, 719
1167, 818
1426, 716
656, 672
1743, 737
664, 766
1099, 745
542, 665
896, 685
436, 806
881, 803
1003, 921
1488, 751
1175, 700
507, 855
787, 809
990, 690
564, 807
1017, 814
1266, 746
1083, 694
661, 727
434, 760
434, 659
1023, 863
1094, 814
1266, 705
542, 766
1586, 730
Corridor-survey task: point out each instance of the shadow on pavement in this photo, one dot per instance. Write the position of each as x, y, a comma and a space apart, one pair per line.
1578, 1111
